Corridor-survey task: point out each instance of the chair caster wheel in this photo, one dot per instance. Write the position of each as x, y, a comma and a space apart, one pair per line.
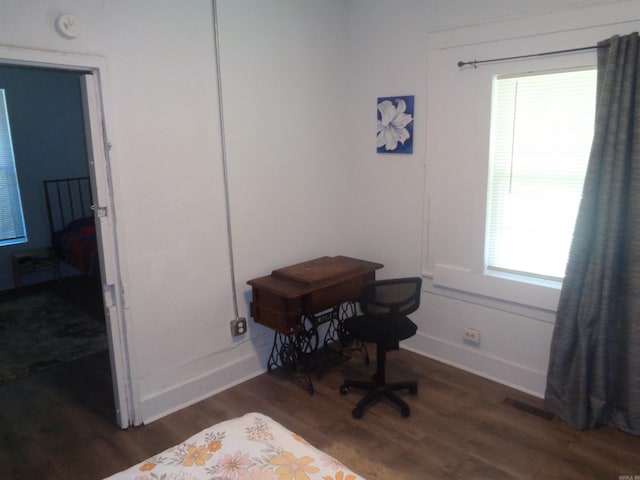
356, 413
405, 412
413, 390
344, 390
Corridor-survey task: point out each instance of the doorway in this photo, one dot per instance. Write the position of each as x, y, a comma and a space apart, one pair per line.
89, 71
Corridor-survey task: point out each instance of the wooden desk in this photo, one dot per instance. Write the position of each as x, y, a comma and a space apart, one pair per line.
295, 300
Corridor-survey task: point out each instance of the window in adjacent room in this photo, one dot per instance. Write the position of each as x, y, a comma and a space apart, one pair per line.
541, 134
12, 228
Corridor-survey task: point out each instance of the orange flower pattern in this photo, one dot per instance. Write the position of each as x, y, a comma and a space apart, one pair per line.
214, 446
147, 466
299, 438
341, 476
291, 468
197, 455
253, 447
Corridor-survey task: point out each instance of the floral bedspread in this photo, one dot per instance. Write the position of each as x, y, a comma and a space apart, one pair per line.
252, 447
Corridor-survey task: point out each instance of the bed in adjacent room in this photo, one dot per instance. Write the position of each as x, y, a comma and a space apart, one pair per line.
71, 222
250, 447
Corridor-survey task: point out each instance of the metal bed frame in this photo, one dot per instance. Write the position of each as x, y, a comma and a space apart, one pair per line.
67, 199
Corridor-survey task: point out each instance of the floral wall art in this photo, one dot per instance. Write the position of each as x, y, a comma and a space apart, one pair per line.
395, 125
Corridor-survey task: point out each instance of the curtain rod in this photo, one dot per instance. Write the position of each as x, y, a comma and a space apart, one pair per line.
476, 62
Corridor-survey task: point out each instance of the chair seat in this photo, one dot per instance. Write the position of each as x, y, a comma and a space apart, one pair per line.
369, 329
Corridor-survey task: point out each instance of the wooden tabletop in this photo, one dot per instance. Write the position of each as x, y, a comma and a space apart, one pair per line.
302, 278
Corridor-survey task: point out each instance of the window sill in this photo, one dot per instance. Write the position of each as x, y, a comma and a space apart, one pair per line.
525, 291
15, 241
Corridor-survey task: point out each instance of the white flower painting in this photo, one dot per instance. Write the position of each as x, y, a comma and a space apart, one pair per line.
395, 125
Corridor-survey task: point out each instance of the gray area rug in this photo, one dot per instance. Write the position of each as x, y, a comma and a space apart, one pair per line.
41, 331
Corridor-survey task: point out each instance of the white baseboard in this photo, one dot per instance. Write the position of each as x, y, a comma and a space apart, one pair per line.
171, 400
479, 363
463, 357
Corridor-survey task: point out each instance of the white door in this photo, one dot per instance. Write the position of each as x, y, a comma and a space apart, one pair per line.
97, 151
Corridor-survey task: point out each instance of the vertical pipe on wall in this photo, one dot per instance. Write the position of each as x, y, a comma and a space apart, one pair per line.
223, 148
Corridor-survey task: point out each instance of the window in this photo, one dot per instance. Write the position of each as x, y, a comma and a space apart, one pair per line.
541, 134
12, 228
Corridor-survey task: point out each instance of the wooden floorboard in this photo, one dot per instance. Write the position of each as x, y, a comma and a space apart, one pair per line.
60, 424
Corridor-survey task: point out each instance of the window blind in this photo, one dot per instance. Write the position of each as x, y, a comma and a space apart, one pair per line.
542, 129
12, 229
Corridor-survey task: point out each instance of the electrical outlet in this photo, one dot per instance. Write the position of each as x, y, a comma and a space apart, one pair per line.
471, 336
238, 326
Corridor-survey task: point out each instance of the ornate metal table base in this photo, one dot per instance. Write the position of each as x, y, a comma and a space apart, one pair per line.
300, 354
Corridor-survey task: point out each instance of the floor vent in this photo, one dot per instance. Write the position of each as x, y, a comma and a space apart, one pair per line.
538, 412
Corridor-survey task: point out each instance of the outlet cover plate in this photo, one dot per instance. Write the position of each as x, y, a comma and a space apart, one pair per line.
238, 326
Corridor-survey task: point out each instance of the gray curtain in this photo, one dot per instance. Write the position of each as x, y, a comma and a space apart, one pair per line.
594, 366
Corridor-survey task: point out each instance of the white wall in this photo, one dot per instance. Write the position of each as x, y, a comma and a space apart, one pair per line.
387, 57
285, 105
400, 48
172, 213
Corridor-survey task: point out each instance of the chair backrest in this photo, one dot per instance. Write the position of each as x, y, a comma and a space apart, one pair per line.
398, 296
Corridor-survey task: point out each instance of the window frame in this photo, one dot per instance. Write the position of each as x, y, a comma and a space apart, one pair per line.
504, 271
10, 168
458, 143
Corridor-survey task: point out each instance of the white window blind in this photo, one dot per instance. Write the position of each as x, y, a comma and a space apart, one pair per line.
541, 134
12, 228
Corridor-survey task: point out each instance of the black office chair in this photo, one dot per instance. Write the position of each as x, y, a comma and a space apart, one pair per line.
385, 305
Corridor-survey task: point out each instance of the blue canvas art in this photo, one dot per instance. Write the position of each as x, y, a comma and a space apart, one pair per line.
395, 125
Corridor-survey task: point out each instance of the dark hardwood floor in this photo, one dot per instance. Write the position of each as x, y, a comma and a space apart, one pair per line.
83, 291
60, 425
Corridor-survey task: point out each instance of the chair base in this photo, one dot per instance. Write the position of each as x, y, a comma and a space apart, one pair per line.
378, 391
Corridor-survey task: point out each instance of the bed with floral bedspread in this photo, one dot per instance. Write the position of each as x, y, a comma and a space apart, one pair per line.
251, 447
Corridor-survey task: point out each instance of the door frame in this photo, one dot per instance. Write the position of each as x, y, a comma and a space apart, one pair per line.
102, 172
